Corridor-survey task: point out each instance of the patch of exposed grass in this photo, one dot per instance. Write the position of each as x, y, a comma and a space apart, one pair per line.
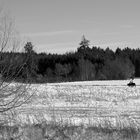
54, 131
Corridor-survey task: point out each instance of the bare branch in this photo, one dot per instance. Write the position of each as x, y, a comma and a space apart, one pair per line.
12, 95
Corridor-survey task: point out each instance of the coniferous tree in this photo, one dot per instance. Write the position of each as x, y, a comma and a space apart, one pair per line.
84, 44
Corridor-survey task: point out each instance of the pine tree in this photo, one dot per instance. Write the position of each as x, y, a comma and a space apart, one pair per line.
84, 42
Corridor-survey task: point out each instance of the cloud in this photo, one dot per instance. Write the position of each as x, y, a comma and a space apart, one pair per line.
40, 34
56, 47
114, 45
111, 33
127, 26
72, 46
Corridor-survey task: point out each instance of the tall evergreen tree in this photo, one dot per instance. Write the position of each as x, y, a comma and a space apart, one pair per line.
84, 42
83, 50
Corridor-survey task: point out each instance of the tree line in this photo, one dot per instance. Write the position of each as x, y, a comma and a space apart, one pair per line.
86, 63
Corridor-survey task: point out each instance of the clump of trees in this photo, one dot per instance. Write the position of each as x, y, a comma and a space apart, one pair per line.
87, 63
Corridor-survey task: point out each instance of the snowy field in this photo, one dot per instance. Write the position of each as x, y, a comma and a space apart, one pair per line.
103, 82
88, 103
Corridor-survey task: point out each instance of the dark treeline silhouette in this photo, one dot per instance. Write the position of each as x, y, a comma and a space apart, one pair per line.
84, 64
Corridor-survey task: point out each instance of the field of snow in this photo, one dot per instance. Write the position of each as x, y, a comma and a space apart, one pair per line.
98, 83
92, 102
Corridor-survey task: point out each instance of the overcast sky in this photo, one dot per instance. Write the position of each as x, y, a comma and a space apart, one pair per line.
58, 25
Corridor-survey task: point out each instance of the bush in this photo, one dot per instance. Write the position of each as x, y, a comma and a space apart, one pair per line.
118, 69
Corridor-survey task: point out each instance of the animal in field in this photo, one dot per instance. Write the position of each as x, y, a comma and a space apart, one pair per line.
131, 84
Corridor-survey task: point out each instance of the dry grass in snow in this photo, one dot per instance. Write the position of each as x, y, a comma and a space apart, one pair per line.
89, 103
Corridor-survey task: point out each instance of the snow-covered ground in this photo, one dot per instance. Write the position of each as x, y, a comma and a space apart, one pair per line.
103, 82
83, 102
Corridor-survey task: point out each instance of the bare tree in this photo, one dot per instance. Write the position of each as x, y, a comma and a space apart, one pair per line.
12, 94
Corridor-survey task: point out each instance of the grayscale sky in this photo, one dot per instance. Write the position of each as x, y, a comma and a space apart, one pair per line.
58, 25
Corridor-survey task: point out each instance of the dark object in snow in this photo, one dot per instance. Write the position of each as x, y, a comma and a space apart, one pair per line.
131, 84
